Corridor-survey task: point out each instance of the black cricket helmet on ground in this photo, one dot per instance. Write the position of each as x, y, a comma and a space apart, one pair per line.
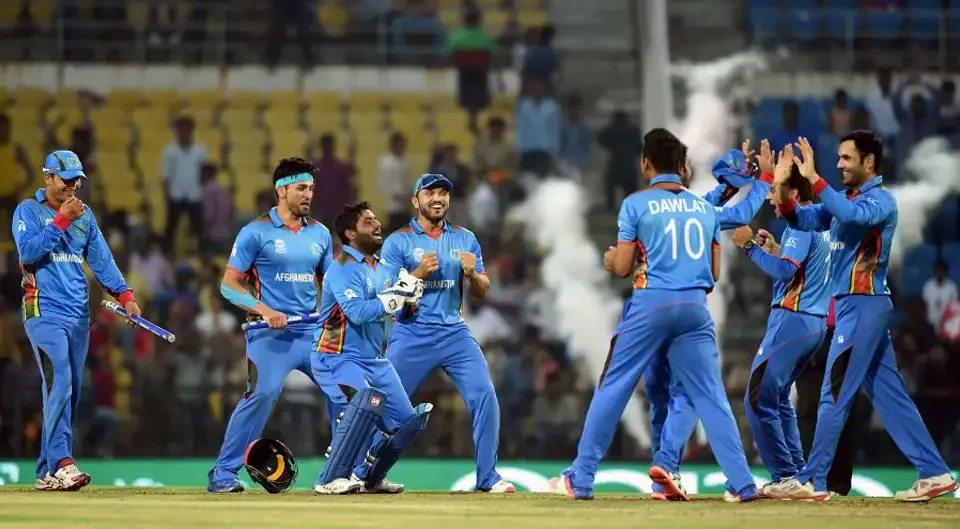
271, 464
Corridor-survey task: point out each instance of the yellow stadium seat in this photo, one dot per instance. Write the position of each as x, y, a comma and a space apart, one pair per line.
31, 97
405, 102
452, 19
333, 19
363, 123
204, 99
241, 119
211, 140
365, 101
281, 119
532, 18
288, 143
246, 100
126, 98
495, 21
450, 123
442, 102
116, 138
165, 99
284, 100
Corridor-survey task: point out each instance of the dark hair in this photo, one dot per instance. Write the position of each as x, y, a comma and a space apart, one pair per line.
291, 166
547, 33
790, 105
867, 142
471, 18
801, 184
348, 217
940, 264
664, 151
496, 121
185, 121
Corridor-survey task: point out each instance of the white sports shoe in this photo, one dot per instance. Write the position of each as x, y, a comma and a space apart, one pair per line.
340, 486
71, 478
384, 487
792, 489
928, 489
502, 487
47, 482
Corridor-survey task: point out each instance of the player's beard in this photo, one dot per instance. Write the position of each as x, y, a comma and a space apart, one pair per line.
368, 243
428, 213
299, 206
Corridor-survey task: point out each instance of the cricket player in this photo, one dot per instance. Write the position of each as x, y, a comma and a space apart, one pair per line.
55, 233
357, 298
795, 330
672, 416
272, 272
861, 223
671, 230
449, 261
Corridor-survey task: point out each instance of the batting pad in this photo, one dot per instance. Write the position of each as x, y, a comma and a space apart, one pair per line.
359, 418
385, 453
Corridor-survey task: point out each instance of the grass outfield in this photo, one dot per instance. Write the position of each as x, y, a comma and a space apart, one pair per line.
142, 508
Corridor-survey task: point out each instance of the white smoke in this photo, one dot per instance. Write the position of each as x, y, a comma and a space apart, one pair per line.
933, 172
587, 306
554, 217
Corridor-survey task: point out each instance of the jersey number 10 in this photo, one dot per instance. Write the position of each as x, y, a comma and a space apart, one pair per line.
692, 225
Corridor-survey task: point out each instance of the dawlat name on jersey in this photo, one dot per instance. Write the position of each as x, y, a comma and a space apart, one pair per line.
290, 277
677, 205
66, 258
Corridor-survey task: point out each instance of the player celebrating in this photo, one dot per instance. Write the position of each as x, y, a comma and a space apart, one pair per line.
446, 257
349, 345
667, 316
278, 257
54, 233
795, 330
672, 416
861, 225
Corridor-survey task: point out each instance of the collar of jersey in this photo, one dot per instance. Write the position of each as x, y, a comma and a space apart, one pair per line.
417, 228
358, 255
278, 222
41, 195
666, 178
869, 184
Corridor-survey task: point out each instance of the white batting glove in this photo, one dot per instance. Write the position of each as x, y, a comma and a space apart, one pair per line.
406, 279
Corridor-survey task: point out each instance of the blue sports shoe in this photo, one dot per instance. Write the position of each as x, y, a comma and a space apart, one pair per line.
224, 486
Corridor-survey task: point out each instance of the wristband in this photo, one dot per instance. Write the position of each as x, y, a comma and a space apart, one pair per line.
747, 246
125, 297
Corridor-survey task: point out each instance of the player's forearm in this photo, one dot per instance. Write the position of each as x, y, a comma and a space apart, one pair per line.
32, 247
844, 209
479, 285
237, 295
720, 195
779, 269
363, 311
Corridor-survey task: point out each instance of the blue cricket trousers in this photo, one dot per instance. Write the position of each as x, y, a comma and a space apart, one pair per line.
60, 349
417, 349
791, 339
676, 325
862, 356
271, 356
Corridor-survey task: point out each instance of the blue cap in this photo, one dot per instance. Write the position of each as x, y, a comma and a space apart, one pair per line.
65, 164
429, 180
733, 169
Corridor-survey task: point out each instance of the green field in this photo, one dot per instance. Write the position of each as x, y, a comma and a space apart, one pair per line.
113, 508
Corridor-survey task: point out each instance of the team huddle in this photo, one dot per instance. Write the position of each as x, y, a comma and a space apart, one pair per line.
281, 270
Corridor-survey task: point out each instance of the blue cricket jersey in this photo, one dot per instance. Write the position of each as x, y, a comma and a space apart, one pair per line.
675, 232
801, 281
741, 213
861, 224
442, 302
283, 263
353, 318
52, 250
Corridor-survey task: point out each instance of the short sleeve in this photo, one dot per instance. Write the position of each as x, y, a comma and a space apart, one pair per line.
796, 245
326, 260
474, 246
627, 224
245, 248
392, 252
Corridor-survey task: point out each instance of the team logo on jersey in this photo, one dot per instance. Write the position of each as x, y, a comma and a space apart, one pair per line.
455, 253
370, 284
790, 243
349, 293
279, 246
21, 226
760, 351
48, 221
375, 401
233, 252
316, 249
418, 254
